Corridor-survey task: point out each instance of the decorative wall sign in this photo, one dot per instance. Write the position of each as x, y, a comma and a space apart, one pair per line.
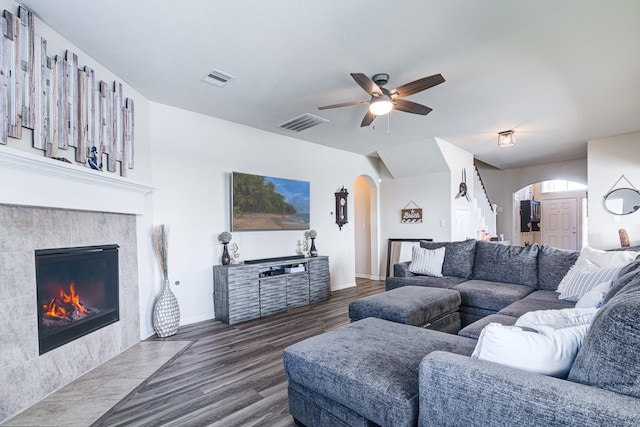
61, 100
27, 59
4, 93
14, 78
411, 215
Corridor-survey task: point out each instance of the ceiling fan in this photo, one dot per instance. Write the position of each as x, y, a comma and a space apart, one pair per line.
383, 100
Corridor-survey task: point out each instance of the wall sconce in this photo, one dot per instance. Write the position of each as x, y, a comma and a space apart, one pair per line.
506, 138
341, 207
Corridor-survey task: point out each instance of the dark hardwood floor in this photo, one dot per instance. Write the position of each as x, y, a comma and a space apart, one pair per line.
231, 375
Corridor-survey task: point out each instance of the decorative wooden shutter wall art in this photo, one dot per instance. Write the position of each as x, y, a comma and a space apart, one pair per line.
61, 101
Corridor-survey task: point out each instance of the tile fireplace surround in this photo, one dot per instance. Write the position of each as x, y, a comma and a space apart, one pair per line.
25, 376
50, 204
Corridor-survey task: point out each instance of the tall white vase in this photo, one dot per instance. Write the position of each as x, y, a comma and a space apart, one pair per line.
166, 312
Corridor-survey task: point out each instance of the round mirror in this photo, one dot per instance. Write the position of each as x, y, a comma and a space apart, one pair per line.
622, 201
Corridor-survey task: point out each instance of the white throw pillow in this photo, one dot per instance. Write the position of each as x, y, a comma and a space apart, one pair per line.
427, 261
578, 285
557, 318
597, 258
547, 351
595, 297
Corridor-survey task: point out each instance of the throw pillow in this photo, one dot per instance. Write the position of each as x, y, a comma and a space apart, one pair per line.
557, 318
595, 297
553, 264
549, 351
507, 264
578, 285
427, 262
605, 259
601, 259
458, 256
581, 266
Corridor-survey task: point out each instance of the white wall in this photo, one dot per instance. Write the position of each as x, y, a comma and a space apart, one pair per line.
433, 192
362, 227
458, 159
610, 158
193, 156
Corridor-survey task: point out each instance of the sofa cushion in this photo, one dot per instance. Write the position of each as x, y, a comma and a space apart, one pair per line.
427, 262
490, 295
473, 330
458, 258
373, 358
609, 357
546, 350
507, 264
553, 265
545, 295
446, 282
535, 303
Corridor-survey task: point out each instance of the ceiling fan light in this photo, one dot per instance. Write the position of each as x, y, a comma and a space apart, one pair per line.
381, 105
506, 138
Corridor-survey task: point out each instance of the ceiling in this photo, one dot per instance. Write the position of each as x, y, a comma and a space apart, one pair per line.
558, 72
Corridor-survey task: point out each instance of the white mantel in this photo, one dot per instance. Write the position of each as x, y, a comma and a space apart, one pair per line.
29, 180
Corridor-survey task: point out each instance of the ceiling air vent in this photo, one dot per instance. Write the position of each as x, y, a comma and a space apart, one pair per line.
218, 78
302, 122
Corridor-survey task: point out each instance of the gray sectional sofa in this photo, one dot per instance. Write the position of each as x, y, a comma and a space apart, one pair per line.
495, 279
376, 372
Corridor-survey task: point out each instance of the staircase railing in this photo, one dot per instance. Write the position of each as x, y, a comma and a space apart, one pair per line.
484, 203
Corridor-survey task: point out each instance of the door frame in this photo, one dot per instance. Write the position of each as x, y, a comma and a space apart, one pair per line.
578, 196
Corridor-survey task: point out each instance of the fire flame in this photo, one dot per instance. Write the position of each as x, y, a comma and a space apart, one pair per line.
65, 304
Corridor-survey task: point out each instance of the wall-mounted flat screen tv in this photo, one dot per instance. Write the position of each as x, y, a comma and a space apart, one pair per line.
268, 203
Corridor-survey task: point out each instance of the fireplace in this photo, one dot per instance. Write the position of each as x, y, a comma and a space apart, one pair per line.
77, 292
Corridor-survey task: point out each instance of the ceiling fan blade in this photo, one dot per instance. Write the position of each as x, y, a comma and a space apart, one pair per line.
344, 104
367, 84
367, 119
418, 85
411, 107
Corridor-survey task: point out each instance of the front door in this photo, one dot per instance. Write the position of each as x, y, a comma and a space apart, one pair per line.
559, 223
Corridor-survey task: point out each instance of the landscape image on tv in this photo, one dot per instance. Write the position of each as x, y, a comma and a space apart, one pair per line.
268, 203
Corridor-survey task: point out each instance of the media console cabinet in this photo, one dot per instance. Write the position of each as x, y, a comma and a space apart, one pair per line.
243, 292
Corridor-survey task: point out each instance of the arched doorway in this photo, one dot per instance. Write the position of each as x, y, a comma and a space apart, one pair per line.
365, 225
551, 212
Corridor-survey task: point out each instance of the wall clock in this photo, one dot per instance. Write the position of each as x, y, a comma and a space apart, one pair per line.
341, 207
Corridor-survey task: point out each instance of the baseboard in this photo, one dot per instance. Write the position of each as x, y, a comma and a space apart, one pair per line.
343, 286
368, 277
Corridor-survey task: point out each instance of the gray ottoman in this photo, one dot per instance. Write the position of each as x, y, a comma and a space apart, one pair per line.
432, 308
362, 374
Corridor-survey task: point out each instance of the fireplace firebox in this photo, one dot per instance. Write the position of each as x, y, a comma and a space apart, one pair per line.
77, 292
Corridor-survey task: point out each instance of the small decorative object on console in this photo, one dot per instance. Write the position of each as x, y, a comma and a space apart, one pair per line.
225, 238
312, 235
341, 207
303, 247
235, 253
